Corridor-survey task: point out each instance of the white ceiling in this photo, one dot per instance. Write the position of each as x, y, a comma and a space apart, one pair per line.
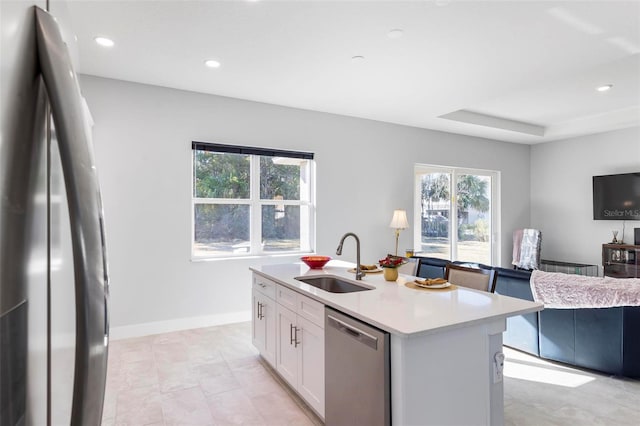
518, 71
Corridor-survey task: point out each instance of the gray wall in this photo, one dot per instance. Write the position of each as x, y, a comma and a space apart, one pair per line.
143, 137
561, 192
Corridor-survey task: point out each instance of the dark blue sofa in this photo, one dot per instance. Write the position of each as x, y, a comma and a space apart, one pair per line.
599, 339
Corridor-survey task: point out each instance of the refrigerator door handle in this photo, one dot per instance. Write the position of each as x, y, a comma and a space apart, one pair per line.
85, 211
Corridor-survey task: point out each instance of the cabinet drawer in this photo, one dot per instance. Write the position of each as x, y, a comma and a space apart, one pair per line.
264, 286
286, 297
311, 310
301, 305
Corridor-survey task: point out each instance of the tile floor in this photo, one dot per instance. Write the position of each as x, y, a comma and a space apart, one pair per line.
207, 376
213, 376
538, 392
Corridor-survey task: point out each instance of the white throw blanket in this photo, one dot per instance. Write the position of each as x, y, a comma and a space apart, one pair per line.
567, 291
526, 248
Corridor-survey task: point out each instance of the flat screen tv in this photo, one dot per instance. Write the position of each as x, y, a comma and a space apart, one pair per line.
616, 197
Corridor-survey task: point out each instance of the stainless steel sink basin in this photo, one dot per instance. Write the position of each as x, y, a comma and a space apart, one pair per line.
333, 284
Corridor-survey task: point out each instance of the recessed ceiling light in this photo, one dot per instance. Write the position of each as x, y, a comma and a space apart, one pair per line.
397, 33
604, 88
356, 59
104, 42
212, 63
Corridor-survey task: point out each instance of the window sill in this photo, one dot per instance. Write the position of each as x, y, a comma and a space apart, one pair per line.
295, 255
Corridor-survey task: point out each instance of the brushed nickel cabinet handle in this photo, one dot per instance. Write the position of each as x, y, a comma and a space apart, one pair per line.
291, 338
260, 310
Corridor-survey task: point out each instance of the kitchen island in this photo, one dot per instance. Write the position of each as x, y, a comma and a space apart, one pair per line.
443, 343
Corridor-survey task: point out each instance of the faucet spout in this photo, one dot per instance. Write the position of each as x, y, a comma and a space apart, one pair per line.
359, 273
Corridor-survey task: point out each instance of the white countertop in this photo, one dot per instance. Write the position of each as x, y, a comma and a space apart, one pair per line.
397, 309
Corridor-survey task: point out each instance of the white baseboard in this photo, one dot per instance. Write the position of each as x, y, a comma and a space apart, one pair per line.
157, 327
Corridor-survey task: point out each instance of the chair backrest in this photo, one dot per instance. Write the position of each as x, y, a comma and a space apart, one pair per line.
410, 267
479, 279
431, 267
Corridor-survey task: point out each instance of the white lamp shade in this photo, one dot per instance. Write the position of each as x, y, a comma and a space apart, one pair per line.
399, 220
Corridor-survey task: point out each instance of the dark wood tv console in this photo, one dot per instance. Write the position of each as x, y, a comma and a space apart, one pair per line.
621, 260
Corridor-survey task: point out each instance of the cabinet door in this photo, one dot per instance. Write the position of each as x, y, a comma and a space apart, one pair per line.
286, 353
620, 261
258, 330
263, 326
269, 319
311, 364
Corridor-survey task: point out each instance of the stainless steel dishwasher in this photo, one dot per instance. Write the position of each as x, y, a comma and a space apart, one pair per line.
357, 372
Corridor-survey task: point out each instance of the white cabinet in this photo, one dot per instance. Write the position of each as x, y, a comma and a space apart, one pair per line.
287, 345
311, 364
300, 345
263, 324
288, 331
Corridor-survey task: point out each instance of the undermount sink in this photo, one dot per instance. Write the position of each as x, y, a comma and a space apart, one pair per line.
333, 284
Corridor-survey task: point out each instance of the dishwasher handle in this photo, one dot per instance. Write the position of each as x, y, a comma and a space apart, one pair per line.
354, 332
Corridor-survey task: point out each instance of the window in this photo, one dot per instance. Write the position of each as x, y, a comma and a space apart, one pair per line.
456, 213
251, 201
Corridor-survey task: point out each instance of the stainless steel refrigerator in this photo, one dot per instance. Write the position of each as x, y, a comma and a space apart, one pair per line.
53, 271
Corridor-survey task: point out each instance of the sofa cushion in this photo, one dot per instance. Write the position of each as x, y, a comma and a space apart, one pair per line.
558, 335
599, 339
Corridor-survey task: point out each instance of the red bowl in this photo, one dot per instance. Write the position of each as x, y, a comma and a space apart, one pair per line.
315, 262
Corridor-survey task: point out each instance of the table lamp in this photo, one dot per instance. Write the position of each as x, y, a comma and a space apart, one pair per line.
399, 222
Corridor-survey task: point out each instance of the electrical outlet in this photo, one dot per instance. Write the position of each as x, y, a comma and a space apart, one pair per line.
498, 367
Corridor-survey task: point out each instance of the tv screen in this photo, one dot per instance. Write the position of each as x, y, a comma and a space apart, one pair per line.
616, 197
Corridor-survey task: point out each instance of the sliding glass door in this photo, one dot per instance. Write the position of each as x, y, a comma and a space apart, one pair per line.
455, 213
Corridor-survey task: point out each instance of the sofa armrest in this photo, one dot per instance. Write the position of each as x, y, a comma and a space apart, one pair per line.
522, 330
